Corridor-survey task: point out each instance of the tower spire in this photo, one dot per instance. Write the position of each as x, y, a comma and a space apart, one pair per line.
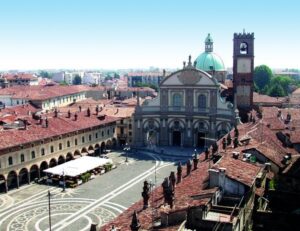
209, 43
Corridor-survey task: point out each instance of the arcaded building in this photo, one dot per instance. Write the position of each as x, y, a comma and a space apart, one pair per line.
188, 111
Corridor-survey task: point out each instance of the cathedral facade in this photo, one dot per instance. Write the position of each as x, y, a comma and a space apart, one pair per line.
188, 111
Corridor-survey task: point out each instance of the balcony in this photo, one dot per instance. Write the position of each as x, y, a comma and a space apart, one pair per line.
195, 110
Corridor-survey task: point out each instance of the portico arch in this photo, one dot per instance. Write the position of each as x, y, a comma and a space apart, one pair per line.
23, 176
77, 154
34, 172
114, 143
43, 166
201, 133
102, 147
176, 132
12, 180
222, 129
97, 150
69, 157
109, 144
151, 131
61, 160
52, 163
2, 184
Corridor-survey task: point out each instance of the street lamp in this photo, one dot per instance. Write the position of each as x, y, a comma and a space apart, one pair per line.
126, 149
49, 208
195, 152
64, 181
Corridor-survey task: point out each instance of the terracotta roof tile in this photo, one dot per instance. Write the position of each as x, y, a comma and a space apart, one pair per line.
238, 170
190, 185
22, 76
42, 92
56, 126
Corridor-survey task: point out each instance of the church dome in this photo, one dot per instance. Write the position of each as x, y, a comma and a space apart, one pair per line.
208, 60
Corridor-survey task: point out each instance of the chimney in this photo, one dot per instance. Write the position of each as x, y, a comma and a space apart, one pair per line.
79, 108
97, 109
135, 224
75, 117
46, 122
101, 117
267, 167
222, 173
88, 112
55, 113
69, 114
235, 155
25, 124
164, 73
279, 113
288, 117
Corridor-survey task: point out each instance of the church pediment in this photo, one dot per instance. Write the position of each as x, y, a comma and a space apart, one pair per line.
189, 77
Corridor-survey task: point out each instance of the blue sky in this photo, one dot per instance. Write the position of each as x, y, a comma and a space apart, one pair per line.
37, 34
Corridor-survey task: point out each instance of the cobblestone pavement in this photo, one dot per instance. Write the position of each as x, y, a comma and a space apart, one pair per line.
97, 201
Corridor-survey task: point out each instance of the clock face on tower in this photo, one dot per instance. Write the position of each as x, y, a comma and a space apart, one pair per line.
243, 65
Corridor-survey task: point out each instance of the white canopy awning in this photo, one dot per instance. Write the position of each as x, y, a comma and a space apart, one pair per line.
78, 166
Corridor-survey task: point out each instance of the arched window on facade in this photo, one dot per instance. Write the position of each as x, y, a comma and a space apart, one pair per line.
202, 102
60, 146
10, 160
22, 157
32, 154
43, 151
177, 100
68, 144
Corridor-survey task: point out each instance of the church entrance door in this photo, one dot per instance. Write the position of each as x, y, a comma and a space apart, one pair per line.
201, 139
176, 138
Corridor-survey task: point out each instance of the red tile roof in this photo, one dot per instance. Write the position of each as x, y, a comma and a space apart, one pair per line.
42, 92
265, 99
22, 76
21, 110
238, 170
56, 126
190, 186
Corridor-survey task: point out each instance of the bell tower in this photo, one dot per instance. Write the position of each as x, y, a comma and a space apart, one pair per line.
243, 70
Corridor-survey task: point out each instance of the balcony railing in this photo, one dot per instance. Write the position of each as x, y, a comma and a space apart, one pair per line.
208, 111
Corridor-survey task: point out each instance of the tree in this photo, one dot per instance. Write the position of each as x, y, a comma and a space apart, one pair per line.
284, 81
262, 76
63, 83
45, 74
276, 91
77, 80
116, 76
